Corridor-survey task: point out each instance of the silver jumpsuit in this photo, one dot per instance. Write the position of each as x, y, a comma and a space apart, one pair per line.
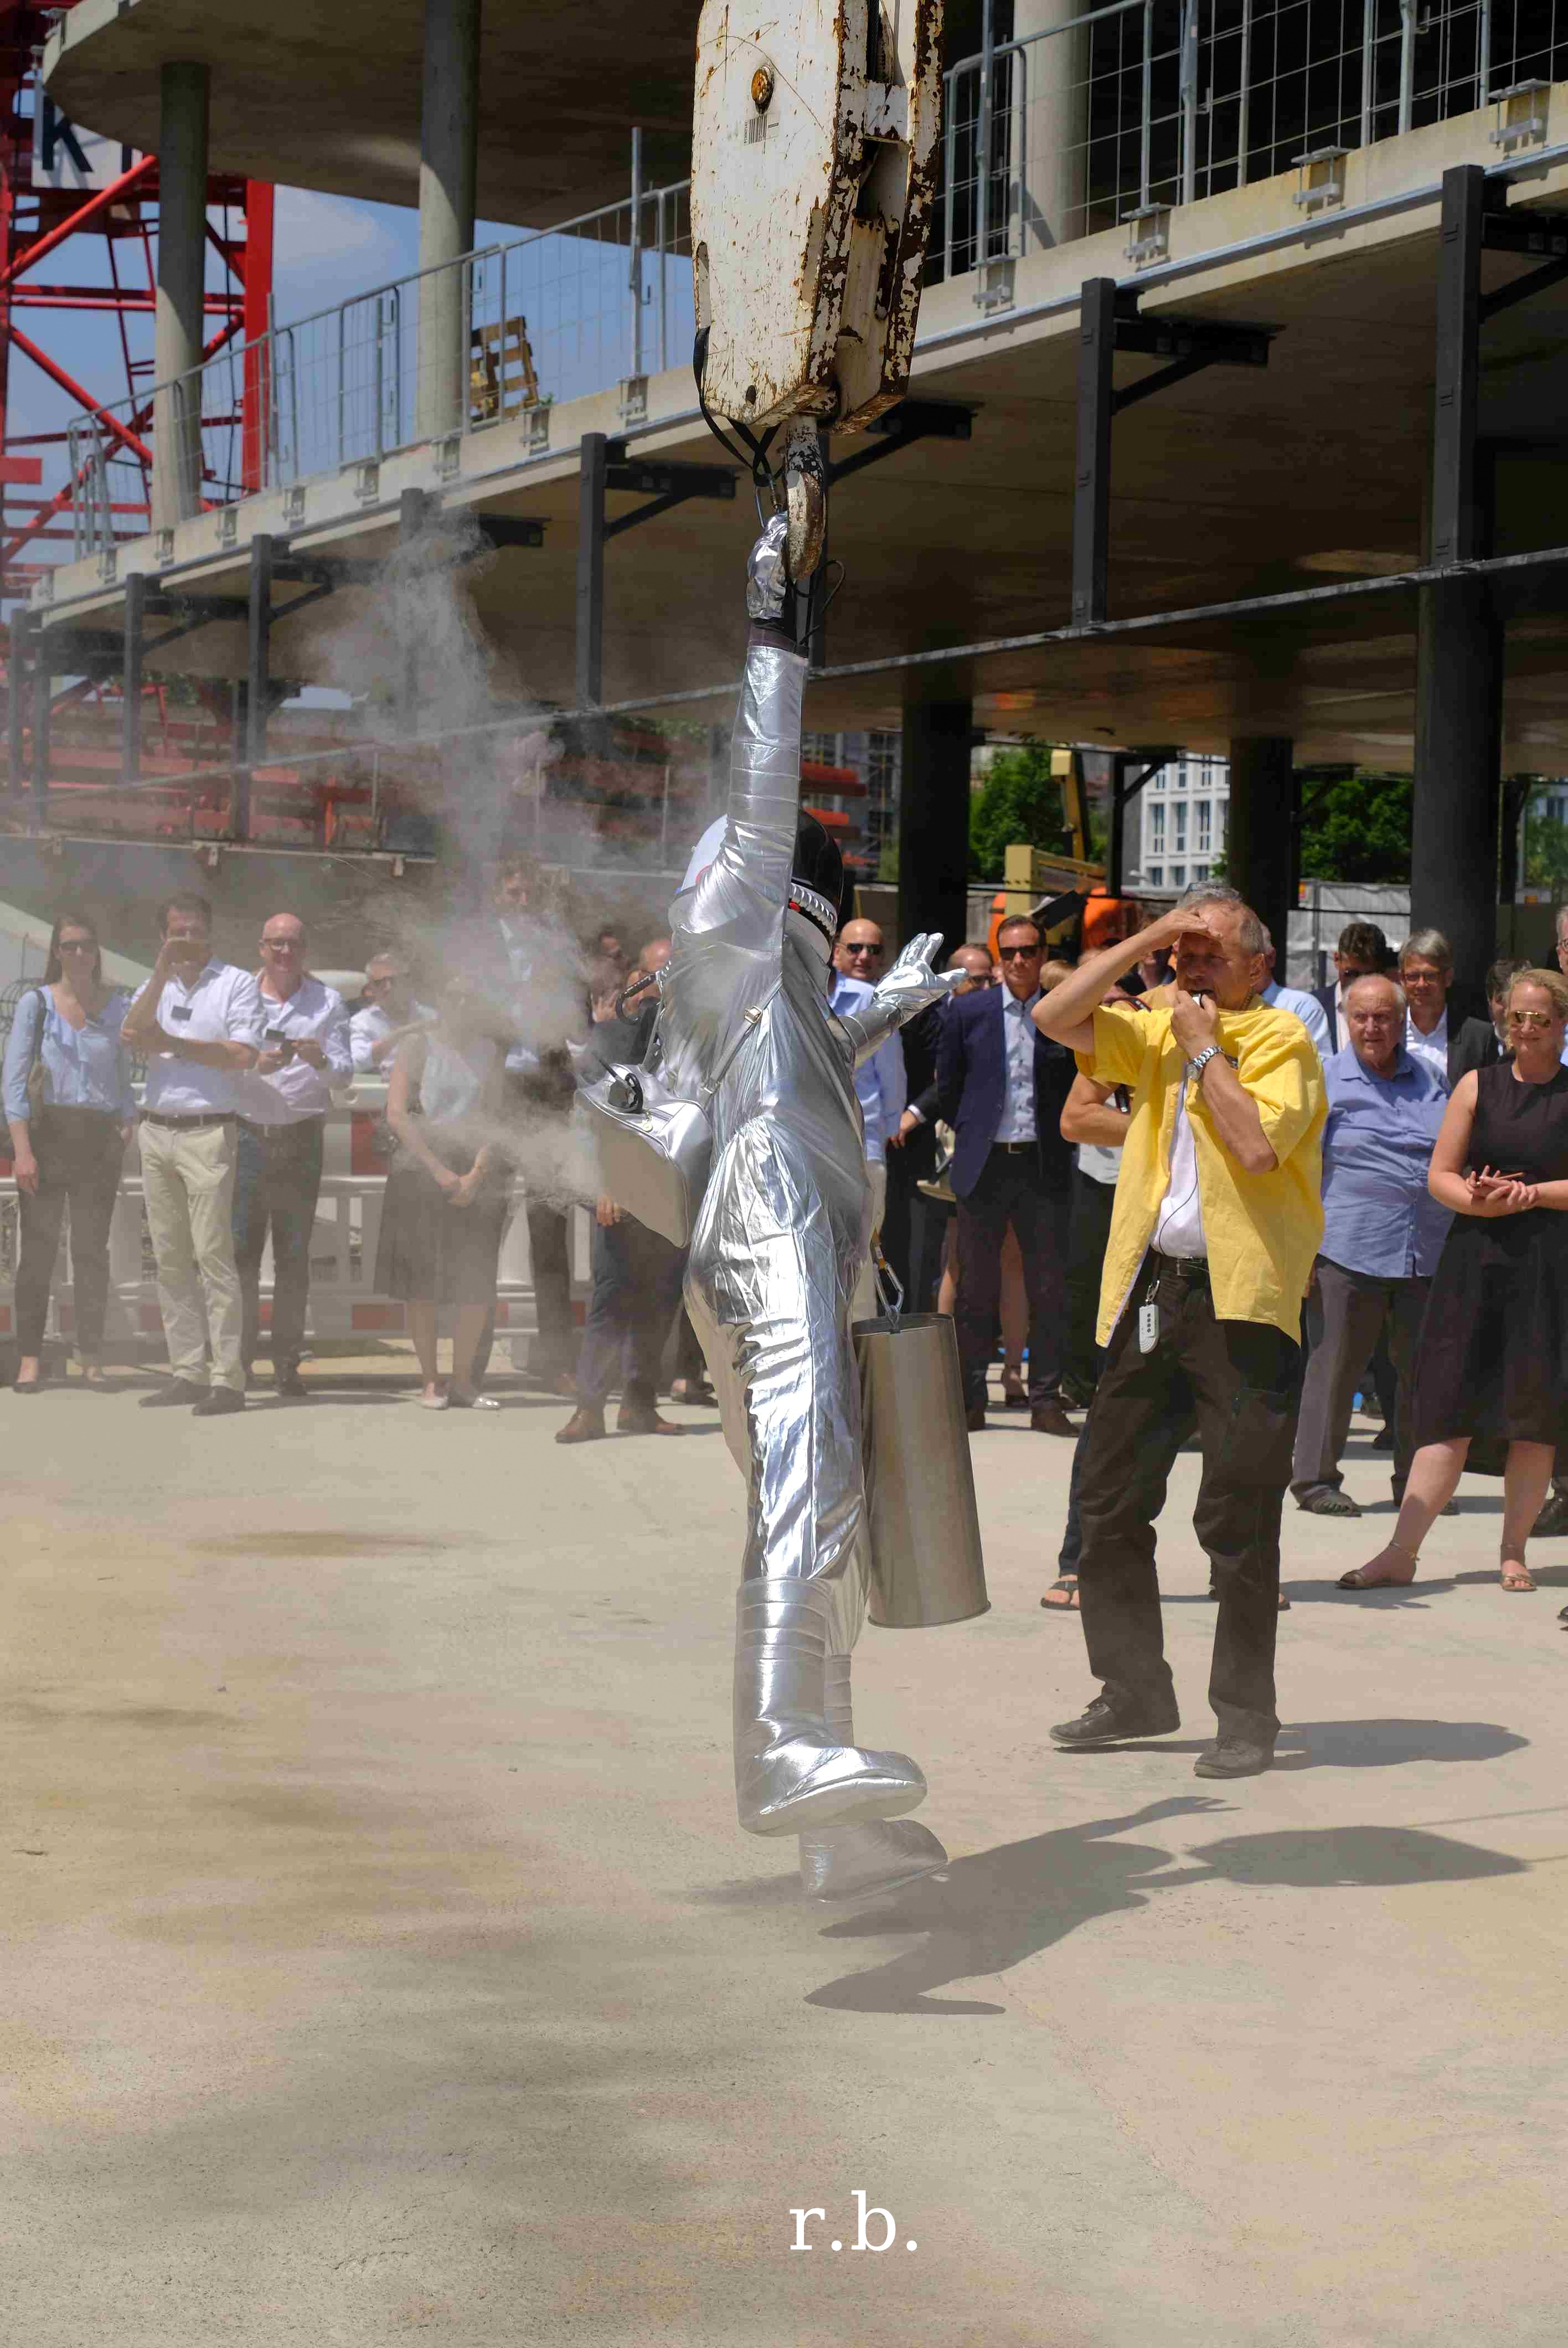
783, 1231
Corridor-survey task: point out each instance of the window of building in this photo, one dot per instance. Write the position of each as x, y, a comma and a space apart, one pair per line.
1156, 876
822, 750
1204, 818
1181, 823
1157, 829
1159, 782
1178, 876
1200, 872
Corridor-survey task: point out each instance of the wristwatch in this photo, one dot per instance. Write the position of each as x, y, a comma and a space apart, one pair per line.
1200, 1061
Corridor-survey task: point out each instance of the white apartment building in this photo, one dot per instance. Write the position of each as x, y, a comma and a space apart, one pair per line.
1181, 828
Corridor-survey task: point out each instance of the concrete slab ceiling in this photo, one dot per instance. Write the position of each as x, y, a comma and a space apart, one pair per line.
328, 97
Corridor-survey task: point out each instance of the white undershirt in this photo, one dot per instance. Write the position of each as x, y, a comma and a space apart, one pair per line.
1179, 1225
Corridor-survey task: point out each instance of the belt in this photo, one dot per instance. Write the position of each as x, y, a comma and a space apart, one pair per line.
1179, 1267
284, 1125
217, 1116
1013, 1149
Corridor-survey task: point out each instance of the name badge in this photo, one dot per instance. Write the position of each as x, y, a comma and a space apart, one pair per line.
180, 1011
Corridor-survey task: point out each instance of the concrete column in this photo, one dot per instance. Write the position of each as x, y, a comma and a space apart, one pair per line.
934, 821
1459, 755
448, 158
181, 278
1050, 131
1260, 849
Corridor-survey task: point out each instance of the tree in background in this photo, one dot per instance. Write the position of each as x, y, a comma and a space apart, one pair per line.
1356, 827
1021, 800
1545, 860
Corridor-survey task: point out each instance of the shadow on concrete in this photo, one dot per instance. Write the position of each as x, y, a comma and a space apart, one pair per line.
1383, 1744
1407, 1595
992, 1911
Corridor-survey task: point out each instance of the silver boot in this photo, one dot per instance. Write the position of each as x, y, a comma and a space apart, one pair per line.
791, 1774
855, 1862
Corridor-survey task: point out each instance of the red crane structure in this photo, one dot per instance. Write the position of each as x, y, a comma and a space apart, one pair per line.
61, 190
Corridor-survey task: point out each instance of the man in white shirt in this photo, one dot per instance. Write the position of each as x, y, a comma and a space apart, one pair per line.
389, 1012
881, 1085
200, 1023
284, 1102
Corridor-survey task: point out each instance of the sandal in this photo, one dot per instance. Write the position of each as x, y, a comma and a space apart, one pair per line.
1516, 1576
1363, 1576
1067, 1603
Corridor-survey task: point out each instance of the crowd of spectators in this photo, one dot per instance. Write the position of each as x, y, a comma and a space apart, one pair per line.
1048, 1153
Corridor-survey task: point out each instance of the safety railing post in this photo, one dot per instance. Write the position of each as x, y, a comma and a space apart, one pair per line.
636, 267
1144, 159
1407, 63
983, 139
1189, 93
1243, 111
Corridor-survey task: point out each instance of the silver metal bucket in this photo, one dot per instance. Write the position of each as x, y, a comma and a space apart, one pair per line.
923, 1530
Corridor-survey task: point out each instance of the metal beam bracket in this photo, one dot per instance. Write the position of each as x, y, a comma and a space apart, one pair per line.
663, 482
1189, 345
911, 420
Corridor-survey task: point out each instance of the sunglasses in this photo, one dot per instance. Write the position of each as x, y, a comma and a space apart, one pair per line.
1530, 1019
862, 949
77, 945
1019, 953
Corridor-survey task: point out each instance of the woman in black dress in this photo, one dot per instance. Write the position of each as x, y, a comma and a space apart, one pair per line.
1493, 1359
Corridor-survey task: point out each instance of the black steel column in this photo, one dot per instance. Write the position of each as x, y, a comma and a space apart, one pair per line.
934, 821
1260, 847
258, 678
16, 710
1091, 480
591, 573
1459, 649
43, 690
130, 710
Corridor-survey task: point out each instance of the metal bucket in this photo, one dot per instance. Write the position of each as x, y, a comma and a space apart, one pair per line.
924, 1531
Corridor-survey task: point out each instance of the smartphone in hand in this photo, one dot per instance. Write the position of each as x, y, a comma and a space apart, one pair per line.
278, 1041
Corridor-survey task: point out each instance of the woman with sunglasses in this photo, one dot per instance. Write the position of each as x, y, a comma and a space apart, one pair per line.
69, 1106
1492, 1364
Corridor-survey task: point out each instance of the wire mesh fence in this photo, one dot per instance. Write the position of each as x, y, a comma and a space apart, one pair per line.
1118, 110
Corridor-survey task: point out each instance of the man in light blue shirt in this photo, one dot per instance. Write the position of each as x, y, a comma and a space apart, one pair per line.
1303, 1006
881, 1085
1382, 1234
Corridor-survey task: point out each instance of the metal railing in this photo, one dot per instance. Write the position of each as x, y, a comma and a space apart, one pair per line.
1124, 110
345, 1301
544, 317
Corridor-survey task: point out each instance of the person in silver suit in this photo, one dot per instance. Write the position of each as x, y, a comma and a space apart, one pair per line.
781, 1233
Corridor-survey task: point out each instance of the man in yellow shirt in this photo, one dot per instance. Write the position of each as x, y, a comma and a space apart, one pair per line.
1217, 1219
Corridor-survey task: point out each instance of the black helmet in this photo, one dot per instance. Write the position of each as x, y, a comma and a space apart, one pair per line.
816, 884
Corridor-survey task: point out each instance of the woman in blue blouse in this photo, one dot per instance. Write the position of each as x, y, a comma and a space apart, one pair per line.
68, 1131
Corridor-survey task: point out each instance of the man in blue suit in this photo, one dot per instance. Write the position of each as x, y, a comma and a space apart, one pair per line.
1001, 1086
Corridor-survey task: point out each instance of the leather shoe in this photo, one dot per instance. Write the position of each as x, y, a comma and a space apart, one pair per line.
1052, 1419
1107, 1722
586, 1425
289, 1382
975, 1418
1234, 1756
644, 1422
169, 1397
218, 1402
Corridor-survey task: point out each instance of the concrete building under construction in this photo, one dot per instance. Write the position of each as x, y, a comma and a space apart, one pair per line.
1233, 424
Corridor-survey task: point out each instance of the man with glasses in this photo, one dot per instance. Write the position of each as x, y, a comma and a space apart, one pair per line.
1434, 1031
200, 1021
386, 1015
1382, 1234
1001, 1085
282, 1128
880, 1084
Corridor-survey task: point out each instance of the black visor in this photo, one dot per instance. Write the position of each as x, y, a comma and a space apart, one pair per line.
816, 886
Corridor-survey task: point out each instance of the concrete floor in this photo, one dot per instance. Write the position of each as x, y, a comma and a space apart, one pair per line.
381, 1955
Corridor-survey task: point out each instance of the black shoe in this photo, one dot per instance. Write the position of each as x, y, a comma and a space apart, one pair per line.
1234, 1756
1554, 1516
975, 1418
1326, 1500
169, 1397
1074, 1395
289, 1382
1107, 1723
217, 1402
1384, 1438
